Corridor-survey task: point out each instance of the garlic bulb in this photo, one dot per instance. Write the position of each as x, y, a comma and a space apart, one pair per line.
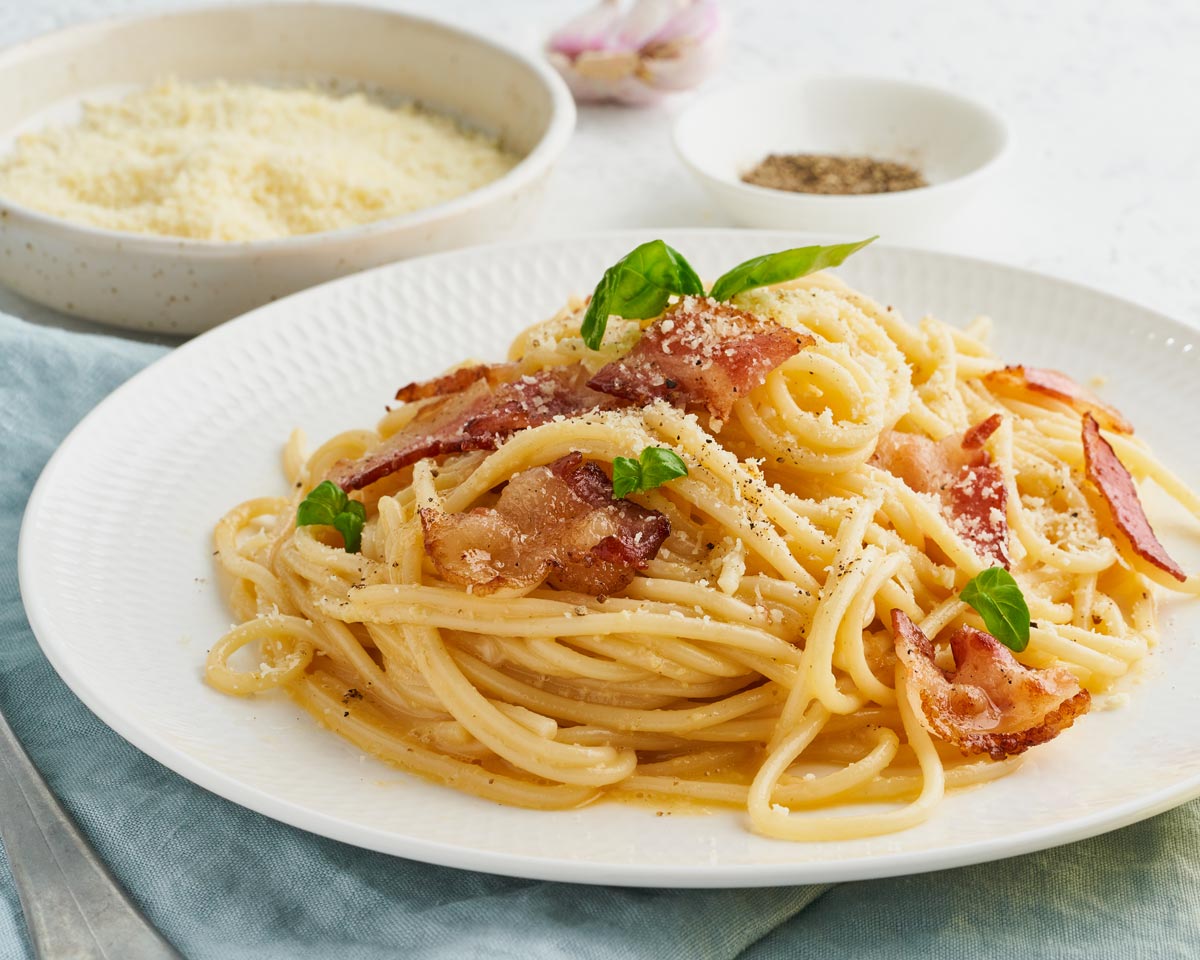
636, 55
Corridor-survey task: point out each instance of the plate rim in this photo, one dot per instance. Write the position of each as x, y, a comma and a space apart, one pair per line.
534, 866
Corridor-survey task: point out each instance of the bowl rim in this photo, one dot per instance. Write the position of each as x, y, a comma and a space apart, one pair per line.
529, 168
897, 197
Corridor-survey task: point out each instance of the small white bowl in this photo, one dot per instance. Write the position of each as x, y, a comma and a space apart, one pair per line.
184, 286
950, 139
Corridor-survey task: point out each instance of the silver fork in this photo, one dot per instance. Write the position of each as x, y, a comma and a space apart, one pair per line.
73, 907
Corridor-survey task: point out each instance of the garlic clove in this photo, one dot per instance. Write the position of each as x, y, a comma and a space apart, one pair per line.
607, 65
594, 29
635, 55
672, 69
597, 77
646, 19
696, 20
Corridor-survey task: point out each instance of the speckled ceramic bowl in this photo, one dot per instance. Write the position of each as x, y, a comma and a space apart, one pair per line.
185, 286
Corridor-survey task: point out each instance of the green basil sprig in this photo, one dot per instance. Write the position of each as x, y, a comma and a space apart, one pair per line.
779, 267
654, 467
328, 505
640, 284
998, 600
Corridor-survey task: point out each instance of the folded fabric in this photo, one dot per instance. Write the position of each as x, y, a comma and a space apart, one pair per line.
223, 882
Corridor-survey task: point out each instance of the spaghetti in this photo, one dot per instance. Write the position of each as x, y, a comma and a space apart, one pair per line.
751, 661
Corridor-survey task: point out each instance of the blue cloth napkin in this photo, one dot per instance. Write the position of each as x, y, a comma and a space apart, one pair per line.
222, 882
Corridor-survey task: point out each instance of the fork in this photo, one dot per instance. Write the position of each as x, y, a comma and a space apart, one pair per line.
73, 907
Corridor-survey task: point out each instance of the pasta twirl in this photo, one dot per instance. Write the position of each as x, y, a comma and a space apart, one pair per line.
751, 662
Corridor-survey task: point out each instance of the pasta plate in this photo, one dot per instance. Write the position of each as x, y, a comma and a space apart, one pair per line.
125, 604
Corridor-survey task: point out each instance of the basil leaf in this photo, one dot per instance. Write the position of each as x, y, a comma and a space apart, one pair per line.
349, 523
323, 503
638, 286
660, 465
998, 600
654, 467
327, 505
627, 477
777, 267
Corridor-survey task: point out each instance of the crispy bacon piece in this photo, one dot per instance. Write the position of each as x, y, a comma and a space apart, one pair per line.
960, 474
478, 417
1052, 383
1116, 486
700, 353
454, 381
557, 522
978, 435
990, 703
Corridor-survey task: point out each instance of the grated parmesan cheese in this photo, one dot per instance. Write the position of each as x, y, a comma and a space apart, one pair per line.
235, 162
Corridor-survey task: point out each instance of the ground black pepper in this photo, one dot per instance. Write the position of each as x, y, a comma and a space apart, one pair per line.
819, 173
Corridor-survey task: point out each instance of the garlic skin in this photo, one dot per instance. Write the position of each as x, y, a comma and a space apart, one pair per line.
636, 54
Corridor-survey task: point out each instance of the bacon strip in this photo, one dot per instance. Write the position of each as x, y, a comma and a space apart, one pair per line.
478, 417
978, 435
960, 474
557, 522
990, 703
700, 353
1052, 383
457, 380
1115, 484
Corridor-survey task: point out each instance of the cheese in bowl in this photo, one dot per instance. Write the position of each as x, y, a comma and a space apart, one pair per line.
244, 161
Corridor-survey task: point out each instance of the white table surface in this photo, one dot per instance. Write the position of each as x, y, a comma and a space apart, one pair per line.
1102, 185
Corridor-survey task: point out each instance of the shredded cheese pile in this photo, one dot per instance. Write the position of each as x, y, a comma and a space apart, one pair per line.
235, 162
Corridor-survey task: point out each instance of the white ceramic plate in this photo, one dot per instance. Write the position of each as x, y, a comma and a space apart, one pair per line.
124, 604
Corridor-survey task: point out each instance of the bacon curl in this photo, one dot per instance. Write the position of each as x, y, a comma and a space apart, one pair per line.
1115, 484
480, 416
460, 379
558, 523
978, 435
961, 475
990, 703
700, 354
1053, 383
